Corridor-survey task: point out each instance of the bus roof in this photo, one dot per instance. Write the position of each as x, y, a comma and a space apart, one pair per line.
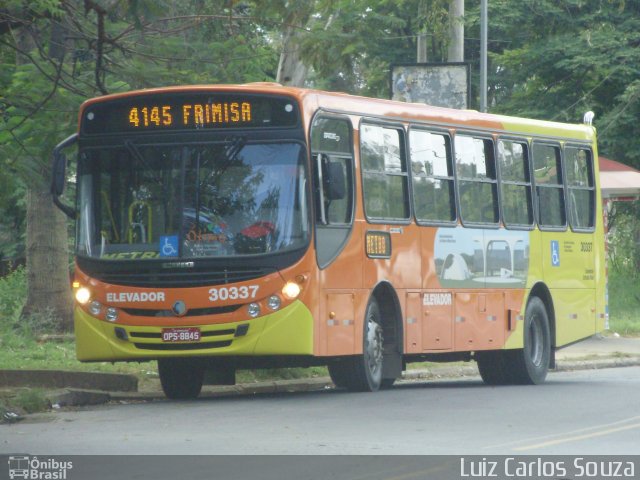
337, 102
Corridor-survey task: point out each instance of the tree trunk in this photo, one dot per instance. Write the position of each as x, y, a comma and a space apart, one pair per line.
291, 70
48, 286
49, 297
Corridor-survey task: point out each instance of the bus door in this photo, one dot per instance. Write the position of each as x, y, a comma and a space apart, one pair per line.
337, 248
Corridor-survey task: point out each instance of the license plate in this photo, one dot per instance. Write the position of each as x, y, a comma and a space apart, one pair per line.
190, 334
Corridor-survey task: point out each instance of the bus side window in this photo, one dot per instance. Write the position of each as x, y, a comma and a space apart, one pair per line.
549, 180
477, 183
384, 173
333, 171
333, 185
581, 189
334, 198
432, 171
515, 184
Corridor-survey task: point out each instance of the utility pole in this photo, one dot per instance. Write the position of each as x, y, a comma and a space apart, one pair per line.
421, 54
484, 20
455, 52
422, 48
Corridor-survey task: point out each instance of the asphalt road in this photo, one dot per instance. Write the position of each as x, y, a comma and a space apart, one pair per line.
573, 413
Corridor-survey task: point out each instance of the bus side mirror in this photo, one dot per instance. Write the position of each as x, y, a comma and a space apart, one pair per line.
59, 171
58, 174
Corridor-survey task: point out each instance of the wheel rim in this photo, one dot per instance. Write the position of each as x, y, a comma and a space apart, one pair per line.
536, 342
373, 348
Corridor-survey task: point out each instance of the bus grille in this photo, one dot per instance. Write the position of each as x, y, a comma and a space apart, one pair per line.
148, 277
194, 312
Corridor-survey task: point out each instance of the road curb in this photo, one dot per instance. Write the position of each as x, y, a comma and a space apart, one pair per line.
82, 396
108, 382
72, 397
258, 388
598, 363
322, 383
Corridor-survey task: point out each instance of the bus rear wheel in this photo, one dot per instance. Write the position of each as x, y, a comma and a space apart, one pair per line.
363, 373
531, 364
181, 378
526, 366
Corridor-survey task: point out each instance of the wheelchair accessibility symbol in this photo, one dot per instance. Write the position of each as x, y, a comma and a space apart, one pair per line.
555, 253
169, 246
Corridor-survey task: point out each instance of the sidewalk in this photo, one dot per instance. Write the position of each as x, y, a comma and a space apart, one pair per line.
594, 353
601, 346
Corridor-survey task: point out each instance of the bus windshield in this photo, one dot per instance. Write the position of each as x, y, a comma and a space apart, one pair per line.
232, 198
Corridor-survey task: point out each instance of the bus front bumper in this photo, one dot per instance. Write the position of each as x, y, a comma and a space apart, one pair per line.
286, 332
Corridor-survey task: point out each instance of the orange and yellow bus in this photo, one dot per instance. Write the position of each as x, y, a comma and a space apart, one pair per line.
254, 226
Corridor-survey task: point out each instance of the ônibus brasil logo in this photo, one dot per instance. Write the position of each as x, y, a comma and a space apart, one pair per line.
24, 466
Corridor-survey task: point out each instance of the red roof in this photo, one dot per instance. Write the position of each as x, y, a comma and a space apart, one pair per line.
618, 181
608, 165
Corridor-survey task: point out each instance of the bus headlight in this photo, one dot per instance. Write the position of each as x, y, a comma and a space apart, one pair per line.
83, 295
254, 310
112, 314
274, 302
95, 308
291, 290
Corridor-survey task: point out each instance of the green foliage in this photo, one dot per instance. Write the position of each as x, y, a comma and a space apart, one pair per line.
624, 240
12, 218
624, 268
31, 130
624, 303
352, 45
555, 60
23, 400
31, 400
13, 292
549, 59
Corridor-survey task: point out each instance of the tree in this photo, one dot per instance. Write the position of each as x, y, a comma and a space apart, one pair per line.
555, 60
57, 53
352, 45
292, 70
548, 59
32, 125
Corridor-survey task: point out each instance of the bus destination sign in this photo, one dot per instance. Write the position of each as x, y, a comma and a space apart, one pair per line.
192, 115
196, 111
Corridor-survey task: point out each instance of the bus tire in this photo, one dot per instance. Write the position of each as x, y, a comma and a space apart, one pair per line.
181, 378
363, 373
387, 383
366, 371
531, 363
492, 367
339, 372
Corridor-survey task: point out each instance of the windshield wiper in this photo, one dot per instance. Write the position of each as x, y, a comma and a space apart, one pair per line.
234, 146
135, 153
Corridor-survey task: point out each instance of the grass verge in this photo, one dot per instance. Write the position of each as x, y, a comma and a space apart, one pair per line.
624, 304
19, 401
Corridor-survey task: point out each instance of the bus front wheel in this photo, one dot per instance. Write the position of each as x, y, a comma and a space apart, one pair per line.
363, 373
181, 378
